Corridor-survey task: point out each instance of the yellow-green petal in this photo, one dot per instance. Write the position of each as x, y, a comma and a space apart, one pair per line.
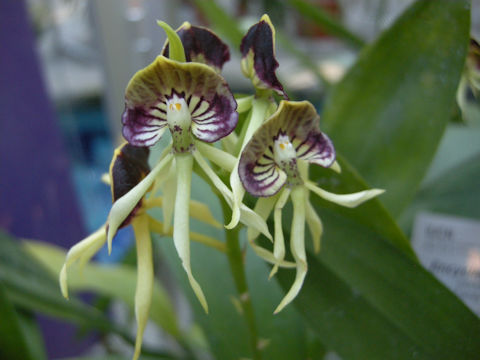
315, 226
95, 240
297, 245
181, 225
348, 200
278, 240
175, 44
143, 292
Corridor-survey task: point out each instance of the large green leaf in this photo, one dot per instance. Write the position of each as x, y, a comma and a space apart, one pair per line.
368, 298
388, 114
315, 13
225, 328
14, 343
116, 281
29, 286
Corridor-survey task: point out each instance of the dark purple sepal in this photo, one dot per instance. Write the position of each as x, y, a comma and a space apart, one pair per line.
128, 167
201, 45
258, 51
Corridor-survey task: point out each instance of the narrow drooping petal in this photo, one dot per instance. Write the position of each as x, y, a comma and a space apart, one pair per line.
210, 102
348, 200
144, 289
201, 45
128, 167
181, 226
95, 240
278, 239
315, 225
263, 207
169, 193
258, 56
297, 123
297, 245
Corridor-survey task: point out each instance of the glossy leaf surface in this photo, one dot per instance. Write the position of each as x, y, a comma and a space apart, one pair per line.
388, 114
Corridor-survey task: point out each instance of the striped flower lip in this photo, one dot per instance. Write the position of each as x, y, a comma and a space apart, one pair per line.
211, 105
269, 160
128, 167
201, 45
258, 56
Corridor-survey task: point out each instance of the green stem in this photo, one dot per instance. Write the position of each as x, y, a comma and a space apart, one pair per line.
235, 260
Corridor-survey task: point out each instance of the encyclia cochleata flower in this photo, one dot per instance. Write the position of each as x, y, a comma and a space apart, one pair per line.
275, 161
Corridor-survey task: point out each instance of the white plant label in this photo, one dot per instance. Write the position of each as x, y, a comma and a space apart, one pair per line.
449, 247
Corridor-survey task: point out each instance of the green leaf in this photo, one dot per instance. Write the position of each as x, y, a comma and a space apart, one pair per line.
388, 114
117, 281
13, 340
221, 21
29, 286
326, 21
366, 295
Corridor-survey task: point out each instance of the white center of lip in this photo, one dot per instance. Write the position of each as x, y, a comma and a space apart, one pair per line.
178, 113
283, 150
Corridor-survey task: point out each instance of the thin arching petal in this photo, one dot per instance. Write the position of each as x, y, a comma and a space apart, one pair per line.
348, 200
278, 239
315, 226
95, 240
297, 246
207, 95
201, 45
258, 56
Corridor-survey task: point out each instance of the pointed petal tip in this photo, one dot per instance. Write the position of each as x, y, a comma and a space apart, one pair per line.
336, 167
63, 281
235, 218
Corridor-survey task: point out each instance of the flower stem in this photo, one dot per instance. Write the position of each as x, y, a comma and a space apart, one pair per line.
235, 260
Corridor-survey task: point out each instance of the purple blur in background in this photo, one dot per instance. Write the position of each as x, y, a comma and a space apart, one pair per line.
36, 194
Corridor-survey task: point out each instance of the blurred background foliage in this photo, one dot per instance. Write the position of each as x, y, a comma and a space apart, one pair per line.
384, 76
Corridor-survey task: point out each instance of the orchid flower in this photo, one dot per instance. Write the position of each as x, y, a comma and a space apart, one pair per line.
195, 104
470, 80
259, 65
274, 167
128, 167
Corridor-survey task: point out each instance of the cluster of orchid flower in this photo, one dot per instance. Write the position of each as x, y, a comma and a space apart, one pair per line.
183, 91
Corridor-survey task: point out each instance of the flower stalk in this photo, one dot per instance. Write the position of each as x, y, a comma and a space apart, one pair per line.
237, 268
